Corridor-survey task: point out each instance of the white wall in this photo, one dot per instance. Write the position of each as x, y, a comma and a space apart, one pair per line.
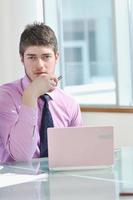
14, 15
122, 122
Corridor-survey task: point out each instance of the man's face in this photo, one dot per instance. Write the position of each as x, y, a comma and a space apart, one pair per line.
38, 60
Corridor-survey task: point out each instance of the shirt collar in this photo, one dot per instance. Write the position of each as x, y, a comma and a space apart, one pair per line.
52, 94
25, 82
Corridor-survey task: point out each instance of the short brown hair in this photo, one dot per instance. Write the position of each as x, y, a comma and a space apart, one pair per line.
37, 34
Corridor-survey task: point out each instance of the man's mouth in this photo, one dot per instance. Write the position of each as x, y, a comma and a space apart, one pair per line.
39, 73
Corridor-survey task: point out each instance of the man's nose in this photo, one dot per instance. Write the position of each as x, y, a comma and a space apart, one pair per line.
40, 63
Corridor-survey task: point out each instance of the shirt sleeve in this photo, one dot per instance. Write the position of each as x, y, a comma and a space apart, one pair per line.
75, 115
17, 127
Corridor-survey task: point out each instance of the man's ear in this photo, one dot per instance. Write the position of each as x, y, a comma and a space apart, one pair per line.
57, 56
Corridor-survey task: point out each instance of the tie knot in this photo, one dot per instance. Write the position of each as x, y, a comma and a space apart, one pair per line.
45, 97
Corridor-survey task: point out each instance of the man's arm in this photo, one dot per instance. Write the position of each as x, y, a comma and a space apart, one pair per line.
18, 127
75, 115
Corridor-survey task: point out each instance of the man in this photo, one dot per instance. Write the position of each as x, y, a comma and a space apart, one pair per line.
20, 103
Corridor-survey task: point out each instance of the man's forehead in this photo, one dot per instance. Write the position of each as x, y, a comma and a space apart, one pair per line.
39, 49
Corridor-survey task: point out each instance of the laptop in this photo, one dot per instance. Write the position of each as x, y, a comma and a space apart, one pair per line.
80, 147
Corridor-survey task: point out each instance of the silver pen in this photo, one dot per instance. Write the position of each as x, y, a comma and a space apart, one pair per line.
60, 77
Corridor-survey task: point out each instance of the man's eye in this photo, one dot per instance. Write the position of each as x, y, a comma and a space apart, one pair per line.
32, 58
46, 57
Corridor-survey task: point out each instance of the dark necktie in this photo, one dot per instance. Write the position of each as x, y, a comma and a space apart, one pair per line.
46, 122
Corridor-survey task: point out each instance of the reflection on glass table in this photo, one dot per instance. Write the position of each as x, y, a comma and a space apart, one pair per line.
125, 172
103, 184
80, 187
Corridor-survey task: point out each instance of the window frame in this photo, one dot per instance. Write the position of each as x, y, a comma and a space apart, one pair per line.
122, 50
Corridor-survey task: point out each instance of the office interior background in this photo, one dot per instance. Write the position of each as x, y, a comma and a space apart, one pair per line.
96, 53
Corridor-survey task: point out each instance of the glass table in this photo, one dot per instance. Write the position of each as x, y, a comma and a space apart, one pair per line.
33, 180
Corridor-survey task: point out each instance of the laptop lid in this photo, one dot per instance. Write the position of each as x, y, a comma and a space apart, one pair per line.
80, 147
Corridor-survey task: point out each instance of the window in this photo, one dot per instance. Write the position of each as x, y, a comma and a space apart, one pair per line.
94, 48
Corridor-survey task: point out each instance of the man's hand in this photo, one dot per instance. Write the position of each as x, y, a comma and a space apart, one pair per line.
39, 86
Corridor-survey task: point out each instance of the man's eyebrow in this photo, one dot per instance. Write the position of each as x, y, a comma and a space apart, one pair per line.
46, 54
30, 54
